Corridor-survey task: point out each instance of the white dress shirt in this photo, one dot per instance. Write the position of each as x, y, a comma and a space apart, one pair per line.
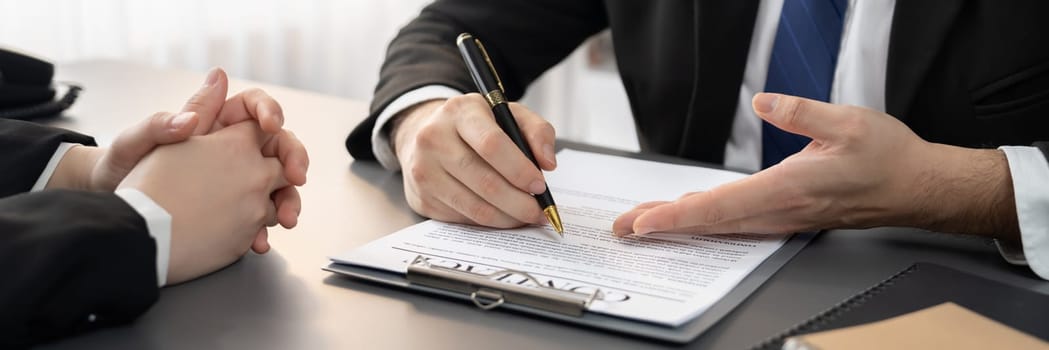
158, 221
859, 79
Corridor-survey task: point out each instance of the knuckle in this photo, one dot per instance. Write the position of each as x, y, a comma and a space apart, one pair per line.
418, 173
415, 201
489, 185
454, 105
490, 142
792, 111
855, 126
473, 98
270, 102
158, 116
461, 105
541, 135
195, 102
523, 179
482, 213
255, 95
274, 105
261, 183
428, 137
713, 215
260, 214
158, 121
543, 129
467, 161
458, 203
420, 206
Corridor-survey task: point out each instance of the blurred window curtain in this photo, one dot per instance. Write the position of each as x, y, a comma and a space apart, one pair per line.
329, 46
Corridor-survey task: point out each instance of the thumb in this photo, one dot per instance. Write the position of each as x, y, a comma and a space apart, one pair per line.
208, 100
802, 116
133, 144
159, 129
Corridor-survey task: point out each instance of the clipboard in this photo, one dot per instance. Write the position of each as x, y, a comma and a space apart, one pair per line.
485, 293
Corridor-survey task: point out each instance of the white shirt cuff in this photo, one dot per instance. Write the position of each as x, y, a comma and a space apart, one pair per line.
381, 140
158, 222
52, 164
1030, 175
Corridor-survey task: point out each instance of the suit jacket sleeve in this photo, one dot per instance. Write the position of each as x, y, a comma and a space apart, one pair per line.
1044, 147
530, 37
26, 148
72, 261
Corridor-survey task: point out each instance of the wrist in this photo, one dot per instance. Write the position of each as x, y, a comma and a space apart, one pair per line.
968, 191
74, 170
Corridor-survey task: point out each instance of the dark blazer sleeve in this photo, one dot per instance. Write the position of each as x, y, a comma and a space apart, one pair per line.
25, 149
1044, 147
524, 38
71, 261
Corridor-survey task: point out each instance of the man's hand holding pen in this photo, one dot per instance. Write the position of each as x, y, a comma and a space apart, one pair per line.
459, 166
476, 159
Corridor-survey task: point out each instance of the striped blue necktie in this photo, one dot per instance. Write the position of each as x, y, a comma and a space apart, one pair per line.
804, 55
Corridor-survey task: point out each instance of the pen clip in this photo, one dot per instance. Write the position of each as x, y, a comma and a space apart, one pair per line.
491, 67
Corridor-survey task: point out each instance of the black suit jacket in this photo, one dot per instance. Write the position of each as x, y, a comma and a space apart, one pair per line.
972, 73
71, 261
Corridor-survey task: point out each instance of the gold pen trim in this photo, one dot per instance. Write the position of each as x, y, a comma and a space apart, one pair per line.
555, 219
491, 67
494, 98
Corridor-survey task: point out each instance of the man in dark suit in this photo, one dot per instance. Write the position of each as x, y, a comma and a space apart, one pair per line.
934, 86
89, 234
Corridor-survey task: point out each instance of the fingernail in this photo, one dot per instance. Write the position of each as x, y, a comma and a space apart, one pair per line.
644, 230
548, 152
213, 77
765, 103
180, 120
305, 170
537, 187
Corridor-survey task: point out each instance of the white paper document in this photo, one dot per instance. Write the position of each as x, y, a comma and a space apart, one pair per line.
664, 278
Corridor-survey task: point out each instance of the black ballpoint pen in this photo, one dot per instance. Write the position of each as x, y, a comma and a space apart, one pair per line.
489, 85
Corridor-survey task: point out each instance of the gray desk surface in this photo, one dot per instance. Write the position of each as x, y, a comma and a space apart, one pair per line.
282, 300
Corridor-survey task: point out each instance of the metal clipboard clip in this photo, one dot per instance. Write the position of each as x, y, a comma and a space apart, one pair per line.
487, 292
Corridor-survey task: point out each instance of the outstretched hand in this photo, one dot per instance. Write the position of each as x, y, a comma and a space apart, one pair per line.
863, 168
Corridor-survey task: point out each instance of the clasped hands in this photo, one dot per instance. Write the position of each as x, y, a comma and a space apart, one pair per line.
224, 169
863, 169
